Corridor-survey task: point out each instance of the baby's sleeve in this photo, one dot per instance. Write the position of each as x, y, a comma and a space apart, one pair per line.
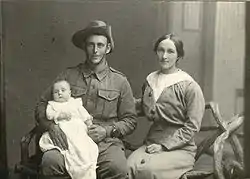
83, 112
51, 112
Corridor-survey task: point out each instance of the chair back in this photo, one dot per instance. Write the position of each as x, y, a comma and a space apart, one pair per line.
212, 127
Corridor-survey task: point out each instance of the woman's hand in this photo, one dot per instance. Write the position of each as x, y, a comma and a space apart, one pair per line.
154, 148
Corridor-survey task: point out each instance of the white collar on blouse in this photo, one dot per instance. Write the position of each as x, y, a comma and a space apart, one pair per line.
159, 81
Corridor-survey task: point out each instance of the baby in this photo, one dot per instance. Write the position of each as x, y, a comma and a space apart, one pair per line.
74, 120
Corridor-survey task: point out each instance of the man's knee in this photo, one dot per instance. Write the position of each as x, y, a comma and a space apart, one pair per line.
113, 169
118, 166
113, 163
52, 163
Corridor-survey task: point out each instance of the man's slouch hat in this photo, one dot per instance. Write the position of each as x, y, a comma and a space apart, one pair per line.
95, 27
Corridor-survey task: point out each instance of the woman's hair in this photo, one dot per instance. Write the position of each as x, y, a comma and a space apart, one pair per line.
177, 42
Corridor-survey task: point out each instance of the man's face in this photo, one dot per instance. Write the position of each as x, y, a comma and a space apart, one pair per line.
97, 47
61, 91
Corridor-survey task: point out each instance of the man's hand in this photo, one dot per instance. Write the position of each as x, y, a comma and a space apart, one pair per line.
58, 137
97, 133
154, 148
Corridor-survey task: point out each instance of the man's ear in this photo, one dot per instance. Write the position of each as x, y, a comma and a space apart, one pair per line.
108, 49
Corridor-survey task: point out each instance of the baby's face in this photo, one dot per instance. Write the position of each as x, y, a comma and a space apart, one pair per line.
61, 91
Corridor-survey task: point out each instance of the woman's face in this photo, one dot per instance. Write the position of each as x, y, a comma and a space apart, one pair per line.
167, 55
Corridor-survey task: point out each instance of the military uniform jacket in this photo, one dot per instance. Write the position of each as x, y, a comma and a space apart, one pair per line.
106, 95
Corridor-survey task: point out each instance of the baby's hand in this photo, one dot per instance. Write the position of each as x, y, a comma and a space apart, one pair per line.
64, 116
89, 121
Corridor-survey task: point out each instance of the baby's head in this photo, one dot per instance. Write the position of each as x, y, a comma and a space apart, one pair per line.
61, 91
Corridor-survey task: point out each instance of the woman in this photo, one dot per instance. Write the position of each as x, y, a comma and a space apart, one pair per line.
175, 103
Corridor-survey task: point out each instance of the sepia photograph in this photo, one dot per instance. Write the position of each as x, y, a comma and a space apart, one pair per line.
124, 89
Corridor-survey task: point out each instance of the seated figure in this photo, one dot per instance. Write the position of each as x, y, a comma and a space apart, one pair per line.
174, 102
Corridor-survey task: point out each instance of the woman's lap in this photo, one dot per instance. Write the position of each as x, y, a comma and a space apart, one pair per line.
164, 165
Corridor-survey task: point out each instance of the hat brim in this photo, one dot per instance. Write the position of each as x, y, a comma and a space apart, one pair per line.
80, 36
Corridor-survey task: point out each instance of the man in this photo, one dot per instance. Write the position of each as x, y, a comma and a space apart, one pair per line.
107, 96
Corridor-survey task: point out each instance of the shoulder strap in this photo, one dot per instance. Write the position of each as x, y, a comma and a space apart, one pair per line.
116, 71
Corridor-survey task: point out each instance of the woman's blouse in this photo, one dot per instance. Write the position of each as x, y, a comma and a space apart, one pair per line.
176, 104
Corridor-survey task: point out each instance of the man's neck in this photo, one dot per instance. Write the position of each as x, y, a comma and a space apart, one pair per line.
98, 67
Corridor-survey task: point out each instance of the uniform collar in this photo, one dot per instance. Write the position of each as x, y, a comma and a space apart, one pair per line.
100, 73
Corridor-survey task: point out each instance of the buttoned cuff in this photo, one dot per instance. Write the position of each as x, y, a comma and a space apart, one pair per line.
171, 144
167, 146
164, 147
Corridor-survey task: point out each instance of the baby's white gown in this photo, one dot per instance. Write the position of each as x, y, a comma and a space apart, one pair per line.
81, 156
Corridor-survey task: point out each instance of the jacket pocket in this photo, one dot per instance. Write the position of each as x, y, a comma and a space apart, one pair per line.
108, 102
108, 95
